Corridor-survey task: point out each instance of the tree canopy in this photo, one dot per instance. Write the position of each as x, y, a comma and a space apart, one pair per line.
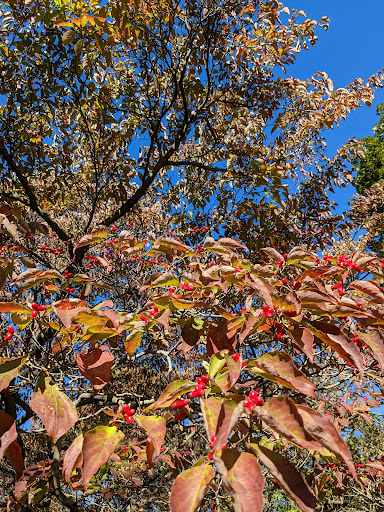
179, 328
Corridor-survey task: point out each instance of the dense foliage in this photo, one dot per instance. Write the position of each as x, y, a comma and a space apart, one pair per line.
179, 330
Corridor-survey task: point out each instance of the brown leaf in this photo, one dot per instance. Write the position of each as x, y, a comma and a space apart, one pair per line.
98, 444
56, 411
189, 488
278, 367
241, 475
287, 476
13, 307
29, 476
95, 365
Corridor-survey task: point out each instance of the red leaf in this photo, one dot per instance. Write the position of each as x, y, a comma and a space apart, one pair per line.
281, 415
331, 335
220, 417
29, 476
370, 289
8, 432
95, 365
66, 315
155, 427
73, 458
278, 367
374, 340
241, 475
56, 411
98, 444
322, 429
287, 477
15, 457
189, 488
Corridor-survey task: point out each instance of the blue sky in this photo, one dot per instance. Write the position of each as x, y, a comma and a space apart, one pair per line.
351, 48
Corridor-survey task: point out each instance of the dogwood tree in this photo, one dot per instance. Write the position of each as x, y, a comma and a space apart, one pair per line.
172, 336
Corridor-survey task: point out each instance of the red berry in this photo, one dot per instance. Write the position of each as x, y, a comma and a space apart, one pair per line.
210, 456
41, 308
8, 336
129, 419
249, 404
10, 329
34, 305
34, 313
236, 357
127, 411
254, 394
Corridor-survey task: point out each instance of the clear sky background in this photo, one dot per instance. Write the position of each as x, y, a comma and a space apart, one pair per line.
351, 48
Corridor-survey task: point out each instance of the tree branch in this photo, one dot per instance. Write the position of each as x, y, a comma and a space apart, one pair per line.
30, 194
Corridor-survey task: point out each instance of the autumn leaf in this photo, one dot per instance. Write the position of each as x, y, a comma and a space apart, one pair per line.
278, 367
155, 427
220, 418
73, 457
9, 369
189, 488
8, 432
171, 392
287, 476
241, 475
56, 411
98, 444
95, 365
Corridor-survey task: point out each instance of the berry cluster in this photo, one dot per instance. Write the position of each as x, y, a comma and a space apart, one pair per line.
180, 404
279, 331
267, 311
10, 330
281, 262
67, 274
189, 287
339, 288
253, 400
200, 386
36, 308
342, 261
128, 414
212, 444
